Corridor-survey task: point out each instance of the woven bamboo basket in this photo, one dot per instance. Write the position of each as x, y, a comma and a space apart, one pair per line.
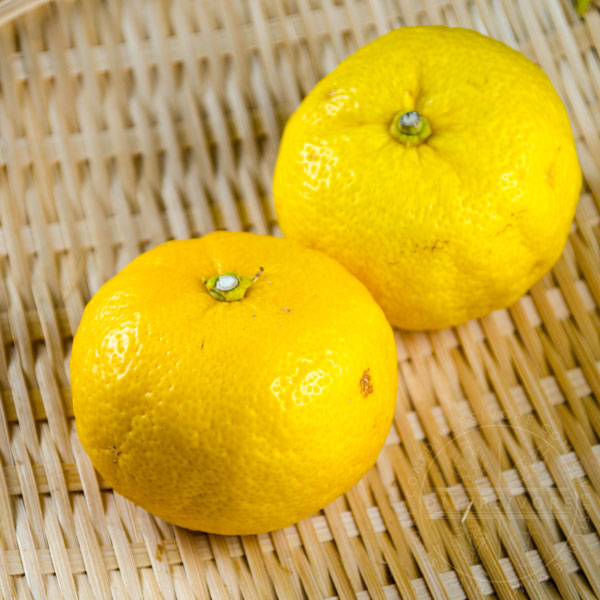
123, 124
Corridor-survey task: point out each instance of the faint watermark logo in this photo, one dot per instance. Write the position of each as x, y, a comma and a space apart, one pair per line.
508, 499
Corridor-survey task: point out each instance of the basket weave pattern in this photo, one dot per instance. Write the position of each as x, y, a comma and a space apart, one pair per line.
123, 124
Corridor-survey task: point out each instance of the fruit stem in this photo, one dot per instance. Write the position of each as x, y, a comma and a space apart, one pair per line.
410, 128
230, 287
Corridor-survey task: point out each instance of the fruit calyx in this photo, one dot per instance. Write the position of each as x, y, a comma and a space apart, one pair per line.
229, 287
410, 128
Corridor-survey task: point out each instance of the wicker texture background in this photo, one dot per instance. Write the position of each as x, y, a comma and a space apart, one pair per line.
123, 124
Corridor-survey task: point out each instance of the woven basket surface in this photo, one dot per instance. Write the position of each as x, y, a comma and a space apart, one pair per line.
124, 124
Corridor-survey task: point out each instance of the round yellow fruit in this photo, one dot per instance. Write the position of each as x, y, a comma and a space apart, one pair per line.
233, 384
439, 167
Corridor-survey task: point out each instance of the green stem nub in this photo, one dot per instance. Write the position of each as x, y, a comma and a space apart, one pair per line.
229, 287
410, 128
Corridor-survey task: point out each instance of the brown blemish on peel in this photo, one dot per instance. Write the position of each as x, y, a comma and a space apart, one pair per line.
366, 387
115, 452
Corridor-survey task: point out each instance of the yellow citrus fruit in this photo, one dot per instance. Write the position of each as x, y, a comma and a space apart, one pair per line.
227, 403
439, 167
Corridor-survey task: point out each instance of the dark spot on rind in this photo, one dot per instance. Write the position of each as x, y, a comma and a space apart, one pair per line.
115, 452
434, 246
366, 387
504, 229
437, 245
